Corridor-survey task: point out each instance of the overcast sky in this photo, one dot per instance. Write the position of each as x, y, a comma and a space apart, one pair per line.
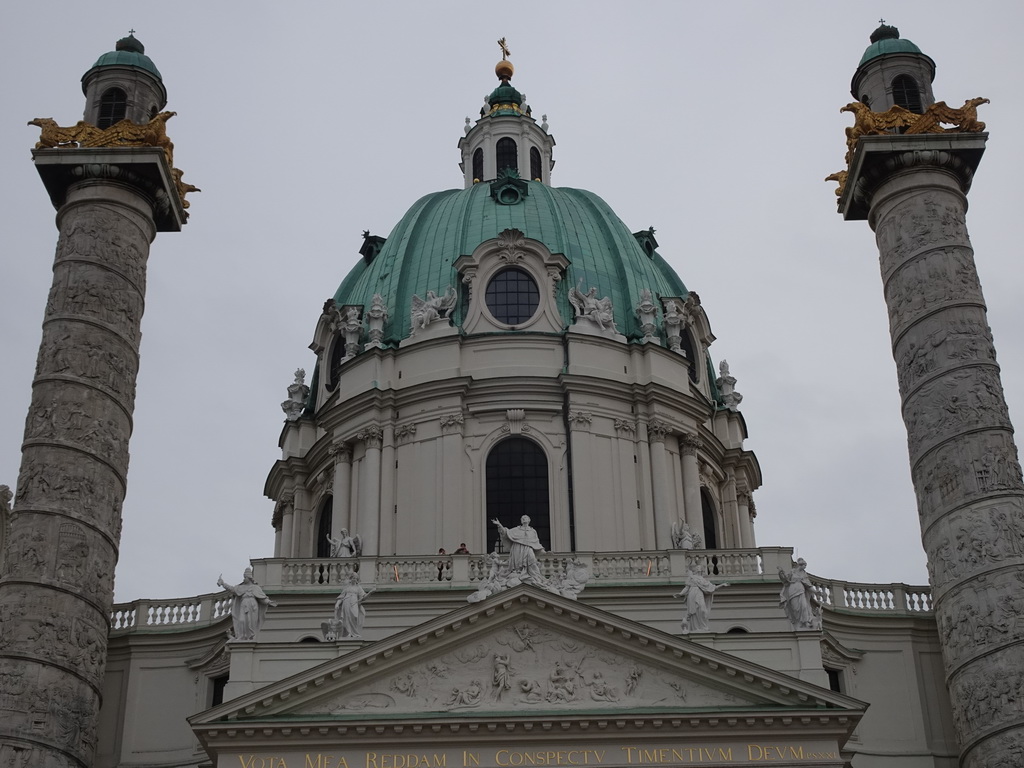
304, 125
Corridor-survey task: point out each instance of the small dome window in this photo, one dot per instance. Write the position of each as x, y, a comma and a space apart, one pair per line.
906, 94
478, 165
113, 107
507, 154
512, 296
535, 169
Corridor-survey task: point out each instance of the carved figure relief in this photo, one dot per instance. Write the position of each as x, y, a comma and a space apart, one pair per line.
967, 399
590, 309
104, 238
920, 285
528, 667
959, 339
982, 616
977, 464
431, 309
376, 317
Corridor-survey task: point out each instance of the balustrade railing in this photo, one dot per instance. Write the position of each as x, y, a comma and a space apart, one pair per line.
281, 576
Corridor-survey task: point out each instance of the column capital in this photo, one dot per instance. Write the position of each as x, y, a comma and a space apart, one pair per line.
879, 157
341, 451
657, 430
372, 435
690, 443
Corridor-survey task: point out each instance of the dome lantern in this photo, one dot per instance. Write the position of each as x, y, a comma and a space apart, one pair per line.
506, 137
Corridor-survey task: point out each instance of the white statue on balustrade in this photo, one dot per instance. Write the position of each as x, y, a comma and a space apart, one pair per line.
683, 536
345, 545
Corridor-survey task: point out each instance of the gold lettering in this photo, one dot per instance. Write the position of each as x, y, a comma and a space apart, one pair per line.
371, 760
647, 755
599, 756
629, 754
470, 758
498, 757
752, 755
726, 754
342, 763
797, 752
250, 763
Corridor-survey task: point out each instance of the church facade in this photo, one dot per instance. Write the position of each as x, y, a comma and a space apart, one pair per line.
511, 367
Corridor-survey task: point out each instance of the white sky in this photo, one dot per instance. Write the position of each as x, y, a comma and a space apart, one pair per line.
306, 124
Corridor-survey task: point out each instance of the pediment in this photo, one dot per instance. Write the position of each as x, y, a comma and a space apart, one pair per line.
526, 652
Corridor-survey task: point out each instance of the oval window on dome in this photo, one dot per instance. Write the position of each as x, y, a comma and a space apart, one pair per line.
512, 296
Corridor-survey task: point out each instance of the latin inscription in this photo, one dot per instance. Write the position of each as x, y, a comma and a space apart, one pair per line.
740, 754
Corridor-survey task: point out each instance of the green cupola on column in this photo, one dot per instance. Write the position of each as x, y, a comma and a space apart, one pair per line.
893, 71
123, 83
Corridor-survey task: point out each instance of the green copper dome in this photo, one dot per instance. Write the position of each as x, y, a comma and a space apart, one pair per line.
129, 52
886, 40
419, 254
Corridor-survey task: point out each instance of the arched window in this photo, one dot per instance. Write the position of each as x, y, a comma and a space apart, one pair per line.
113, 107
687, 345
517, 485
906, 94
507, 155
535, 170
323, 527
478, 165
707, 508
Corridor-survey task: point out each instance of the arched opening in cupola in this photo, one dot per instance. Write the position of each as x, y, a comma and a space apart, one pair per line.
506, 155
906, 94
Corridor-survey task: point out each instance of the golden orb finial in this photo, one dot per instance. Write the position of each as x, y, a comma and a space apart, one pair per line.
504, 69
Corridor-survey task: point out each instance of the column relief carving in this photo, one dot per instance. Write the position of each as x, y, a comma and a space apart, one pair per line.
657, 430
690, 443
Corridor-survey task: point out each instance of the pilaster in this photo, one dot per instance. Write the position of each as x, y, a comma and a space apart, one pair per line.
689, 444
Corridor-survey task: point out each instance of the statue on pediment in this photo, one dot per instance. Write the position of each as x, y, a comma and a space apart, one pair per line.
523, 545
797, 597
348, 608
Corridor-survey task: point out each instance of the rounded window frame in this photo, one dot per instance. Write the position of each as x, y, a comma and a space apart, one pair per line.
491, 308
512, 249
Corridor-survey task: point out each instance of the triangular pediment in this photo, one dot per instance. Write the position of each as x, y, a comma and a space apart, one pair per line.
520, 653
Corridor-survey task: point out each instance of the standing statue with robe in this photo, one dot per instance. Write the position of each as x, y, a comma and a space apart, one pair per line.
523, 545
248, 606
699, 592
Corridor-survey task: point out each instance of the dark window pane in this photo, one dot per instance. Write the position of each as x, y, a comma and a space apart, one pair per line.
517, 485
507, 154
906, 94
323, 547
535, 170
113, 107
512, 296
478, 165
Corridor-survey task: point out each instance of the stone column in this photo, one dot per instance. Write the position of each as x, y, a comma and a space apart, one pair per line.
369, 490
730, 513
689, 444
664, 513
963, 460
56, 582
287, 524
302, 509
743, 502
342, 453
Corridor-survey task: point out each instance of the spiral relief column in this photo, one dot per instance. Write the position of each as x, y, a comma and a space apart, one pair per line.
963, 459
56, 579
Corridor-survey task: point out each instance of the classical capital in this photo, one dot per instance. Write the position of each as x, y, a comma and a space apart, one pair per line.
690, 443
657, 429
372, 435
341, 451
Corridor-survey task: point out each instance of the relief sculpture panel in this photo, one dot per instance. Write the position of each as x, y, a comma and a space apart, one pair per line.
956, 336
526, 667
973, 540
921, 221
102, 237
922, 284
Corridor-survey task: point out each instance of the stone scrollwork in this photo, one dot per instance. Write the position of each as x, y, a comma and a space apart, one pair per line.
580, 420
452, 421
510, 246
298, 394
404, 433
626, 425
376, 317
515, 421
657, 429
647, 313
372, 436
690, 443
